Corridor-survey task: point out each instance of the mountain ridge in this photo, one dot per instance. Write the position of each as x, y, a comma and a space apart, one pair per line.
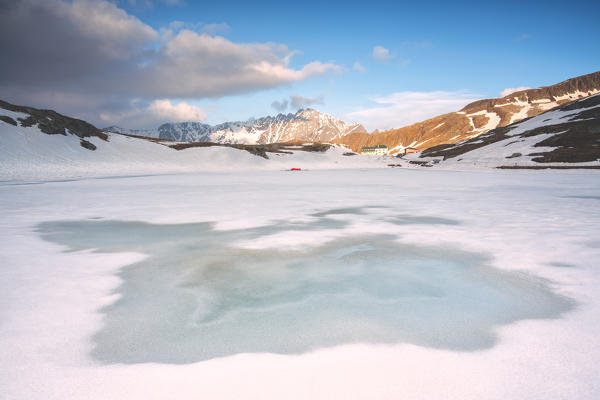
308, 125
478, 117
564, 137
311, 125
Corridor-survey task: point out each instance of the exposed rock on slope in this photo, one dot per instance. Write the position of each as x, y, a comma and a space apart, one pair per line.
50, 122
306, 126
261, 149
568, 136
479, 117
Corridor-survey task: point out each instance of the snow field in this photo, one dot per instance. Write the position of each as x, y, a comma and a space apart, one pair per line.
539, 223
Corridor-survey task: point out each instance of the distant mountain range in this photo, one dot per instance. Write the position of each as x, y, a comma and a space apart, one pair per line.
306, 125
310, 125
478, 117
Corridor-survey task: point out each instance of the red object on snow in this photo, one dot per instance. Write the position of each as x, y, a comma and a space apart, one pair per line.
296, 169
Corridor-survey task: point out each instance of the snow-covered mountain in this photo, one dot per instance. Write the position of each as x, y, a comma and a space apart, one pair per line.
478, 117
306, 125
565, 137
43, 144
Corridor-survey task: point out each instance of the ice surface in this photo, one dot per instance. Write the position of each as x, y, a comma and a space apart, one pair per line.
198, 296
537, 230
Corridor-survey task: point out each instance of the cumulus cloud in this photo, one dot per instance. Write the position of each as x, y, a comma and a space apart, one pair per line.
296, 102
359, 67
155, 113
381, 53
175, 27
280, 106
95, 49
405, 108
508, 91
195, 65
213, 29
150, 3
54, 40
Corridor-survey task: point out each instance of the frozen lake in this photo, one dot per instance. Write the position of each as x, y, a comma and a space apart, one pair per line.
353, 284
198, 296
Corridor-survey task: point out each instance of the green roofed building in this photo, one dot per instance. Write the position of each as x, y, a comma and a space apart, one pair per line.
379, 150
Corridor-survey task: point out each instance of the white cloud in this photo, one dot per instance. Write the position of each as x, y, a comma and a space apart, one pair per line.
53, 44
359, 67
150, 3
213, 29
405, 108
193, 65
117, 33
298, 101
295, 102
155, 113
508, 91
280, 106
93, 48
523, 37
176, 25
381, 53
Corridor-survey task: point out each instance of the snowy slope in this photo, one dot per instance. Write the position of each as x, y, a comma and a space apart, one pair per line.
568, 136
29, 153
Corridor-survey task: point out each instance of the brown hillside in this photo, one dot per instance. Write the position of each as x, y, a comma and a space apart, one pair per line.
478, 117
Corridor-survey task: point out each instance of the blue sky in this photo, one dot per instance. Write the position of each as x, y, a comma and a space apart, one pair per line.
433, 57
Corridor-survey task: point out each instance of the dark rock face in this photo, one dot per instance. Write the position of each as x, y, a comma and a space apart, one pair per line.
52, 123
8, 120
87, 145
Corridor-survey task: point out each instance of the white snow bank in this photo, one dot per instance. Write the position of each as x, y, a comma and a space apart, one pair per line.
28, 154
12, 114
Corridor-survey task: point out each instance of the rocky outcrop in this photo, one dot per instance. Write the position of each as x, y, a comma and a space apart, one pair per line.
261, 149
52, 123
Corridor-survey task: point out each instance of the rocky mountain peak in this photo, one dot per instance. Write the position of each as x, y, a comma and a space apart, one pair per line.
307, 124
